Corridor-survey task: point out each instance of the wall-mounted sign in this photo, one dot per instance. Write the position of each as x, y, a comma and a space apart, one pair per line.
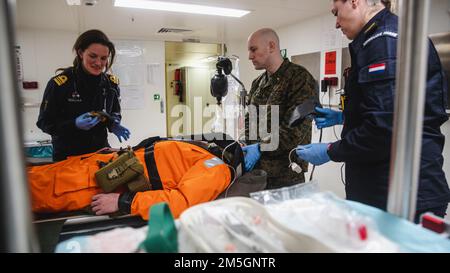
19, 67
330, 63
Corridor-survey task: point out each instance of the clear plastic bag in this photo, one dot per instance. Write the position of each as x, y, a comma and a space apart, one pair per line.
229, 225
288, 193
325, 217
119, 240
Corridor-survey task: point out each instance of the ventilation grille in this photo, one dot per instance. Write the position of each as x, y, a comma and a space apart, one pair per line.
191, 40
173, 30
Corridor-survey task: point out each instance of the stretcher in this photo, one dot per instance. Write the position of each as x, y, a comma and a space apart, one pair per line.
54, 228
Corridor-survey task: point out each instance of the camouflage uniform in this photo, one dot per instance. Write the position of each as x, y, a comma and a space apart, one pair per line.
289, 87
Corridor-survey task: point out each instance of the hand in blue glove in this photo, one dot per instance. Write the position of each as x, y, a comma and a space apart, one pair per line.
252, 156
86, 121
120, 131
327, 117
316, 154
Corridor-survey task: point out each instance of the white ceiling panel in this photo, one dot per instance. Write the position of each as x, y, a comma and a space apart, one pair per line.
127, 22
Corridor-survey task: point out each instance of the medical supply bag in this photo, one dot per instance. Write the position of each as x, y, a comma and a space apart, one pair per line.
126, 168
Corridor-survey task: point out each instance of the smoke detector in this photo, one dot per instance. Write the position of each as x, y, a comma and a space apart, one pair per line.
90, 2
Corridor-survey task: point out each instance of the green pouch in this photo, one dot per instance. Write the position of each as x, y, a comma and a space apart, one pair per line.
162, 235
139, 184
118, 172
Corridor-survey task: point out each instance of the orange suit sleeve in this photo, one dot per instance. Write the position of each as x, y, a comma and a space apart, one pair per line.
201, 182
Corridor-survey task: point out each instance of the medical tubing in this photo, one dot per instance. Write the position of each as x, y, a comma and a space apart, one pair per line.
235, 173
314, 166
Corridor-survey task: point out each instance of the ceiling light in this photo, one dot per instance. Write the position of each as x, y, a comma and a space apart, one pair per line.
73, 2
179, 7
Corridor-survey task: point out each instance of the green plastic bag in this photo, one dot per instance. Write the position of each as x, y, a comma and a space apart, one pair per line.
121, 170
162, 233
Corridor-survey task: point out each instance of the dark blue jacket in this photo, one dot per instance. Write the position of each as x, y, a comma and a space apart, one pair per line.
366, 138
69, 95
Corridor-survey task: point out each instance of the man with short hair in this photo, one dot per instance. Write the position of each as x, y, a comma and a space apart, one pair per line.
365, 146
285, 85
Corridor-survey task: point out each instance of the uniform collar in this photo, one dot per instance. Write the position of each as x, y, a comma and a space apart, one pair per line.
88, 78
280, 72
369, 29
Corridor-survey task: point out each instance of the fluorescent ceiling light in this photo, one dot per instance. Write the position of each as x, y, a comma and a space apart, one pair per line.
179, 7
73, 2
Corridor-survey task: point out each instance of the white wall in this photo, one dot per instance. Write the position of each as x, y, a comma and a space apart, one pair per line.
247, 73
149, 118
319, 34
43, 51
439, 16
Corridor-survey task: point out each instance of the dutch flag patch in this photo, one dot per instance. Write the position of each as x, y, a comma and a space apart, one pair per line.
377, 68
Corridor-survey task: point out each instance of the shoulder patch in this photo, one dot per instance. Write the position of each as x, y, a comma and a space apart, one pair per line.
380, 34
60, 80
114, 79
371, 28
213, 162
379, 71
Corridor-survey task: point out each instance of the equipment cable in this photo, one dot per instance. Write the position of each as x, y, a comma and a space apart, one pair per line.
234, 175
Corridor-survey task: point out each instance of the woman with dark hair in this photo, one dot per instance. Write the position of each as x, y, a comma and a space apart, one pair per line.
82, 101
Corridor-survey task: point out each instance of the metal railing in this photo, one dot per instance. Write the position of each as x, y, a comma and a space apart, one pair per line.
16, 228
412, 61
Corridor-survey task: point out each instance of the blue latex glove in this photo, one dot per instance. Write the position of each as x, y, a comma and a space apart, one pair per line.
327, 117
316, 154
252, 156
120, 131
86, 121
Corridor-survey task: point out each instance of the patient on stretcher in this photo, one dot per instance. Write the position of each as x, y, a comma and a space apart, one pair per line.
180, 173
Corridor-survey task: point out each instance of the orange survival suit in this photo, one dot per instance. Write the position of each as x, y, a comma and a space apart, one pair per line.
181, 174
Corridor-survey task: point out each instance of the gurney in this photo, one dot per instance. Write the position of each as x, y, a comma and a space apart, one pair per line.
54, 228
173, 170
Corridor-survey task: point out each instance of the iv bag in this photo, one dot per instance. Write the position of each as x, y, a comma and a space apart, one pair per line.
218, 124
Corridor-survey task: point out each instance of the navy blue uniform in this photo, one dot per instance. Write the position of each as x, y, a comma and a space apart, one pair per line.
366, 138
69, 95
